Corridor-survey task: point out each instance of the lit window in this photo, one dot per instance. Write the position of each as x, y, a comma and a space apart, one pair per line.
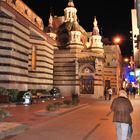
33, 58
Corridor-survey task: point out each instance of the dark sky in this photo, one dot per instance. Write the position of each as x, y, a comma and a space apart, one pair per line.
113, 16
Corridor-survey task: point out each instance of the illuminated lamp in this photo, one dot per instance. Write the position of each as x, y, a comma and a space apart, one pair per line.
129, 66
117, 39
126, 59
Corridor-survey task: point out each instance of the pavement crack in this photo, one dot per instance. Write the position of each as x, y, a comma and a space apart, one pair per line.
104, 119
108, 113
92, 131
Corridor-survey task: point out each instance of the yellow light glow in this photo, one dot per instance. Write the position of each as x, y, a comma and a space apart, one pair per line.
126, 59
117, 40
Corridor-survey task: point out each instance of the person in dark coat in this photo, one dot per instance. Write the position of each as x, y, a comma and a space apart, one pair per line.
134, 91
105, 93
122, 107
127, 91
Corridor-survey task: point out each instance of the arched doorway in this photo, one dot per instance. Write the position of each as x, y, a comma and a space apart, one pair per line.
87, 84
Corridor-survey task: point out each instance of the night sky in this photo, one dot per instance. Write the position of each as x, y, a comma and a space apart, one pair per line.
113, 16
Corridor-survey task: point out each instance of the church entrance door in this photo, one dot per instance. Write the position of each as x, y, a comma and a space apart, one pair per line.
86, 85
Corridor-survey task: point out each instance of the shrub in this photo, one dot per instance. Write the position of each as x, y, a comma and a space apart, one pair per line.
13, 94
20, 96
3, 91
51, 107
58, 104
4, 114
67, 102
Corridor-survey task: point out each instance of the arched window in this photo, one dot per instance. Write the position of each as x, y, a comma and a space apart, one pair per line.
33, 61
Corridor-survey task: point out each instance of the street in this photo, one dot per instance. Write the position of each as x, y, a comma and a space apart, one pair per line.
90, 122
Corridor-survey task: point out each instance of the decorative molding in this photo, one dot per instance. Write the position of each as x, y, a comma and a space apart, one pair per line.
24, 10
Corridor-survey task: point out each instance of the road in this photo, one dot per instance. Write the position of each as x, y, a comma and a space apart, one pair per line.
91, 122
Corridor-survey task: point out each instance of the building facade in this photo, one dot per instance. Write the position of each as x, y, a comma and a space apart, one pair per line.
113, 73
62, 54
26, 52
135, 18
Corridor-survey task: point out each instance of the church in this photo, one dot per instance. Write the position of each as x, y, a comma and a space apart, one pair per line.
60, 55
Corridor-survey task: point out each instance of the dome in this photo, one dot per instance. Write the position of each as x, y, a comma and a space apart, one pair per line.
65, 28
75, 26
49, 29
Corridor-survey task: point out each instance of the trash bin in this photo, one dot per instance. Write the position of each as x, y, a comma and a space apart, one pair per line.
75, 98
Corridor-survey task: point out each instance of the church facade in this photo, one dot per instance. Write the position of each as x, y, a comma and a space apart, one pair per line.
63, 54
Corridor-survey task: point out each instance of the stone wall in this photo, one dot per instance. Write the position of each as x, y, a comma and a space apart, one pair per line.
18, 35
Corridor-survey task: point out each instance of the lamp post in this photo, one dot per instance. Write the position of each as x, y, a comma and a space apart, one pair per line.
116, 41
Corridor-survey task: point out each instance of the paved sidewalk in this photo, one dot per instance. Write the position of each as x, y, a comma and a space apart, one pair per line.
33, 117
9, 128
24, 117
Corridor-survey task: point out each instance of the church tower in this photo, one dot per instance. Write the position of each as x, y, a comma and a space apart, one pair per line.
95, 43
75, 34
93, 63
70, 38
70, 12
78, 69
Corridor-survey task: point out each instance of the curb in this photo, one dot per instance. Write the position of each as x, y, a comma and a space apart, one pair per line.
7, 129
60, 111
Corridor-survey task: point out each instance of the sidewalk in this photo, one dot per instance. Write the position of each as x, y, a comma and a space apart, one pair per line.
10, 128
25, 116
33, 115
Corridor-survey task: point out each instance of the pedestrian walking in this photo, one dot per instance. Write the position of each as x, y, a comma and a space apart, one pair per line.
110, 92
122, 107
134, 91
105, 93
127, 91
130, 131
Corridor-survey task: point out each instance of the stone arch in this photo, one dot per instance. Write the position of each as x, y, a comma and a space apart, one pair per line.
86, 84
86, 77
86, 68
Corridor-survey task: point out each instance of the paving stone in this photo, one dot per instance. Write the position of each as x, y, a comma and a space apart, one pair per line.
8, 128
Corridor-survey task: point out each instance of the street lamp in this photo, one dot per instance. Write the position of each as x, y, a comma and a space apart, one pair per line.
117, 39
126, 59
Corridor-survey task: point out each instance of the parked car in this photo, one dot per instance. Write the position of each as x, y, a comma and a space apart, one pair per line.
43, 95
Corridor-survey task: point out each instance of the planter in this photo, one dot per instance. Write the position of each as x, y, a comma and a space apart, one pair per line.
4, 99
52, 109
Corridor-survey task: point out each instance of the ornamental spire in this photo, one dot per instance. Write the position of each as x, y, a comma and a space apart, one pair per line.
95, 24
50, 19
95, 27
70, 3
